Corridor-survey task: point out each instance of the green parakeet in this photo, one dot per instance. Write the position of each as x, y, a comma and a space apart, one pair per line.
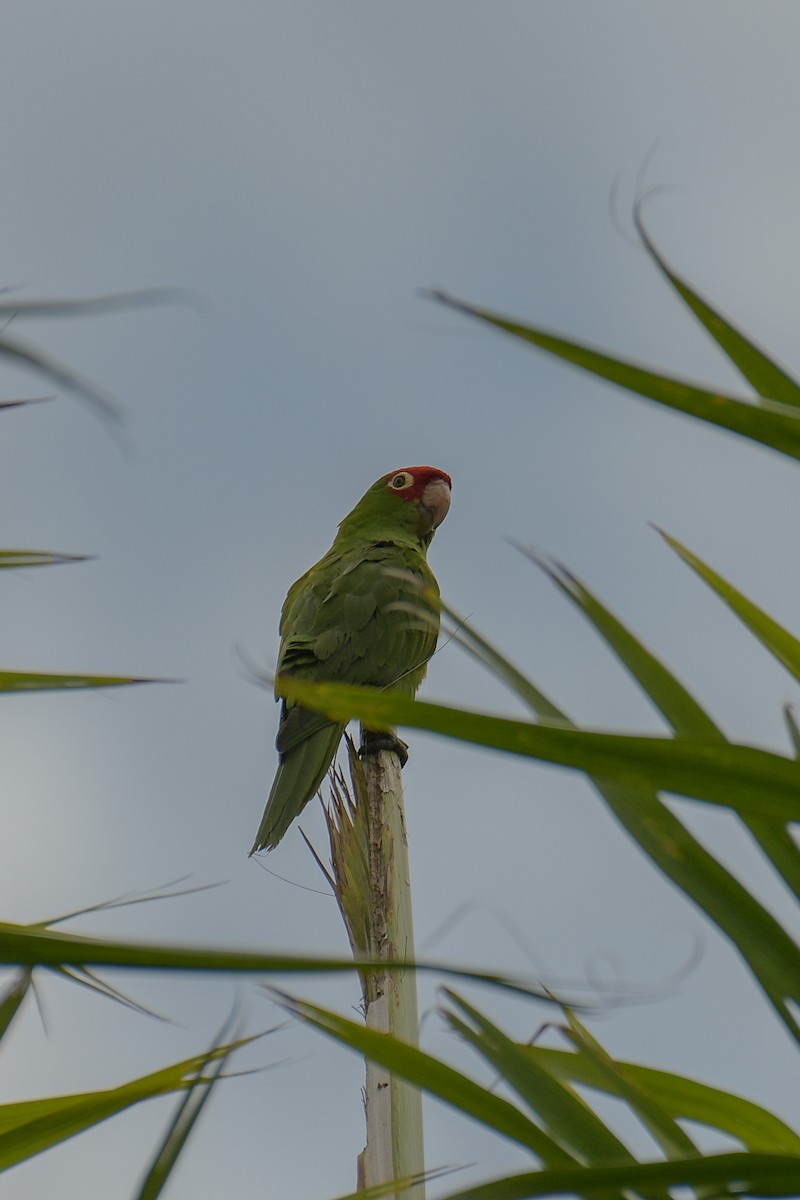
347, 620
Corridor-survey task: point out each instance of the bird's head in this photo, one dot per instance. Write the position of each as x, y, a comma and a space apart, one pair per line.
427, 489
413, 500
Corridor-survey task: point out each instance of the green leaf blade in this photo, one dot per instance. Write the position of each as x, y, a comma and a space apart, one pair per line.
434, 1077
777, 426
744, 1174
29, 681
13, 996
565, 1115
29, 1127
766, 376
683, 1098
779, 641
673, 1140
198, 1093
676, 704
37, 558
741, 777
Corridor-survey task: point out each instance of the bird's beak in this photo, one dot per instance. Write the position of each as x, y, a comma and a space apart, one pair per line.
435, 503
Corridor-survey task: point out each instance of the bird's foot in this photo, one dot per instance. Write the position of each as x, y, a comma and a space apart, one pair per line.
373, 741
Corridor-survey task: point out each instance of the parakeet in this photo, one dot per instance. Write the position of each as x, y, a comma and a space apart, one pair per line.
348, 620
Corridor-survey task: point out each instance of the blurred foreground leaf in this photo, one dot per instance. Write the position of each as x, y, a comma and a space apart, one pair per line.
765, 375
96, 306
28, 1127
772, 423
24, 400
580, 1154
564, 1114
28, 681
28, 946
12, 998
737, 1174
628, 772
740, 777
206, 1077
779, 641
435, 1077
723, 898
37, 558
684, 1099
24, 354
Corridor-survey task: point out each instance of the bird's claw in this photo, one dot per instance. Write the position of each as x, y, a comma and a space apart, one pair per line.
373, 741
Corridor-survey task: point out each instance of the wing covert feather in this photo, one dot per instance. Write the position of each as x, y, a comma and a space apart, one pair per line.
344, 620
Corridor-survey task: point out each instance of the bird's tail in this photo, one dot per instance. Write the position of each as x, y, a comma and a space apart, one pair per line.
298, 777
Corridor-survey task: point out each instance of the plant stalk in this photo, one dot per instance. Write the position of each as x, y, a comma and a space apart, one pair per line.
371, 880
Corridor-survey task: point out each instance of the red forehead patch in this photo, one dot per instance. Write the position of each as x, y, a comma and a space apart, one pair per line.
421, 476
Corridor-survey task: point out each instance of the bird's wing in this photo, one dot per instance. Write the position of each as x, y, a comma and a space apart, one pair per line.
354, 618
361, 618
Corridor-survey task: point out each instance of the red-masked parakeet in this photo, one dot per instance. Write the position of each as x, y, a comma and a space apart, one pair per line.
348, 620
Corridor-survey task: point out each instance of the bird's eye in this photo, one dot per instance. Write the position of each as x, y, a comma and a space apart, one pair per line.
401, 481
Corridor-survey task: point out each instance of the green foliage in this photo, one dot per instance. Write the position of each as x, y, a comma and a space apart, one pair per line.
28, 681
31, 1126
36, 558
207, 1074
548, 1103
578, 1152
39, 946
22, 354
741, 777
630, 773
773, 421
27, 1128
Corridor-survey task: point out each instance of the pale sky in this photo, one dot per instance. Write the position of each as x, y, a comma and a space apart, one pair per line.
306, 168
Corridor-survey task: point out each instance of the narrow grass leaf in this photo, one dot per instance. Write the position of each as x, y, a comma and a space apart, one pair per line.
682, 1098
769, 951
776, 841
37, 558
766, 947
779, 641
434, 1077
743, 1174
31, 1126
784, 851
765, 375
794, 730
11, 999
676, 704
741, 777
673, 1140
22, 945
565, 1115
24, 400
780, 848
98, 306
777, 427
28, 681
185, 1119
21, 353
83, 977
396, 1187
481, 649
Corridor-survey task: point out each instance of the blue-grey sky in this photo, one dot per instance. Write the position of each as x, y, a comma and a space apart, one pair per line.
306, 168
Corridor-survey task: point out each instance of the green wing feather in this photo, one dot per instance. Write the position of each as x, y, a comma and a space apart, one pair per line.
350, 619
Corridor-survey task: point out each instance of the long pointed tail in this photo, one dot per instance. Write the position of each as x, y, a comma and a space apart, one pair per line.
298, 778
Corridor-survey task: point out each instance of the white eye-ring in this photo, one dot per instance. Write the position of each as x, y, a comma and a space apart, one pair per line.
401, 481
